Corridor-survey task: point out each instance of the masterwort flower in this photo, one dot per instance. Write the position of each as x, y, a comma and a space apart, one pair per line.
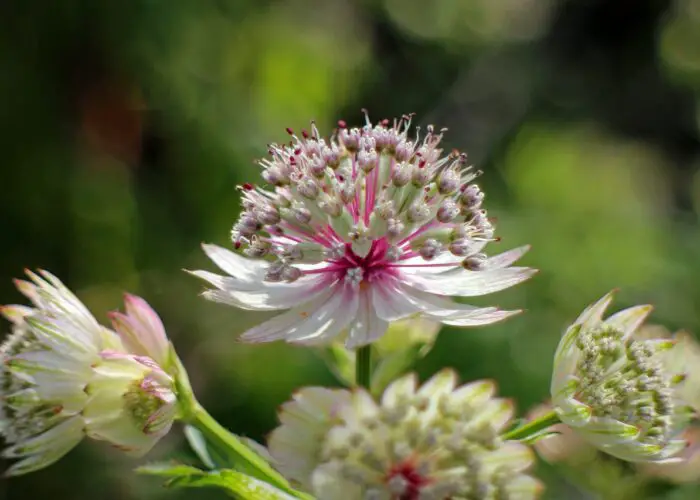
64, 376
615, 390
435, 442
354, 232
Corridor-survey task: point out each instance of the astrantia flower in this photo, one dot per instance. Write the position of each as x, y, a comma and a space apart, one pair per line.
365, 228
64, 376
435, 442
615, 390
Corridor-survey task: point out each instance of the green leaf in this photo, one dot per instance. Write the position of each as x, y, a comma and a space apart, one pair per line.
235, 483
199, 445
341, 363
167, 469
539, 436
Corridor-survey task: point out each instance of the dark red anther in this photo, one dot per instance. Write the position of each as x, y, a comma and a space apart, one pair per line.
248, 186
304, 134
289, 131
297, 151
237, 245
385, 122
341, 178
422, 163
292, 160
342, 124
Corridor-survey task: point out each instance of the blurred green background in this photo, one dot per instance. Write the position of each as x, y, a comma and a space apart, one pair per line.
125, 127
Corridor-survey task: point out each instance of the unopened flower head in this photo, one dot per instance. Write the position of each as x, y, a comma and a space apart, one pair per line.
435, 442
64, 376
615, 390
353, 232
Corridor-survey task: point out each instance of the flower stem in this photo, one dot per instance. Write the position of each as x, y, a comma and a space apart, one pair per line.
533, 427
245, 459
227, 444
363, 366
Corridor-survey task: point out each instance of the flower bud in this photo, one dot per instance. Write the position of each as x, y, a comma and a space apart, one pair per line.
63, 376
615, 390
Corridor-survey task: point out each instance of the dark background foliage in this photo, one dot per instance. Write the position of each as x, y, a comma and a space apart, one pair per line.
125, 127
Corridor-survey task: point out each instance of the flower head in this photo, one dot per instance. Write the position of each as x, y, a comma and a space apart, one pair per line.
64, 376
354, 232
615, 390
433, 442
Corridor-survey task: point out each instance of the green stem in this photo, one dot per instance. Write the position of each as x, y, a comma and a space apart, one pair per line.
363, 366
228, 444
532, 427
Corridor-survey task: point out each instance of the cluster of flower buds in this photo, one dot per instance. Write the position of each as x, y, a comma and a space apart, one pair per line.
436, 441
615, 390
363, 185
64, 376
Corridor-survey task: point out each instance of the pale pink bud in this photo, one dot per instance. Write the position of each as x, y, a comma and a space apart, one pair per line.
141, 330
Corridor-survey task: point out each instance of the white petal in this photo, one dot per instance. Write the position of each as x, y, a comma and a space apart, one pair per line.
608, 431
267, 296
308, 321
505, 259
442, 383
628, 320
593, 314
469, 283
452, 313
325, 325
565, 358
573, 412
60, 334
59, 301
241, 268
367, 326
60, 437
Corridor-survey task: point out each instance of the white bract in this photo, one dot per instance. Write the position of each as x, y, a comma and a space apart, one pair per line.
64, 376
435, 442
615, 390
354, 232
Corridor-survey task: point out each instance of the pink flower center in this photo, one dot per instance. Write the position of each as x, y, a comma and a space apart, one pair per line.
411, 479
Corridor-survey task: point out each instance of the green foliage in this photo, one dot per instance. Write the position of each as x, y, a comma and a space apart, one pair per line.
236, 484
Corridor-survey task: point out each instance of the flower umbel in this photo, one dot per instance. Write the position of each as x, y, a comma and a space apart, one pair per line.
354, 232
615, 390
64, 376
433, 442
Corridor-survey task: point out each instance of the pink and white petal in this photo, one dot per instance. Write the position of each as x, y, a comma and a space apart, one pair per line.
325, 325
452, 313
60, 301
367, 327
505, 259
141, 329
273, 296
390, 303
628, 320
241, 268
469, 283
16, 313
278, 327
63, 335
418, 265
